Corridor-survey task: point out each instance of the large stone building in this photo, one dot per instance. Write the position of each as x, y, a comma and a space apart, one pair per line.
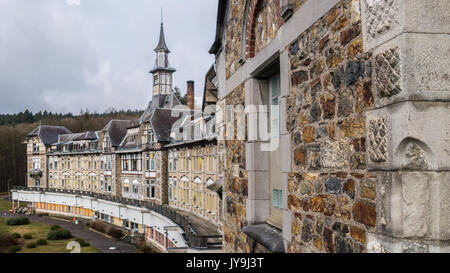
355, 95
330, 134
140, 163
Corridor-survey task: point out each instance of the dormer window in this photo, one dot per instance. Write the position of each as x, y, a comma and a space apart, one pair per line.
132, 138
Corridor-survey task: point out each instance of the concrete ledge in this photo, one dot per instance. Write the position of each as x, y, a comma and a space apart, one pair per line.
267, 236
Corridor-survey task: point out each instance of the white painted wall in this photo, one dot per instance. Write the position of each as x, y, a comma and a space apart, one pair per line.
130, 213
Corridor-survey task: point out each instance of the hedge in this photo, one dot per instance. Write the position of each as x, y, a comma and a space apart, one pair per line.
31, 245
114, 232
99, 226
59, 234
18, 221
82, 242
41, 242
55, 227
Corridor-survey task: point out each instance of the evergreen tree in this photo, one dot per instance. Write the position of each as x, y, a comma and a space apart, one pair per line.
182, 99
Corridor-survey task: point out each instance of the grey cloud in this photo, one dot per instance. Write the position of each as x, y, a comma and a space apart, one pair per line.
97, 55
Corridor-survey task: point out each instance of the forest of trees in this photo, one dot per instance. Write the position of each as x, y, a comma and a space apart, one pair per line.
14, 128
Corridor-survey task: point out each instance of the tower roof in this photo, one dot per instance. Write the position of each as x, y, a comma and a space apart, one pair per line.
162, 41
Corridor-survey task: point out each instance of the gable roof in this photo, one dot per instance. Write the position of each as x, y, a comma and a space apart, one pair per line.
211, 92
49, 134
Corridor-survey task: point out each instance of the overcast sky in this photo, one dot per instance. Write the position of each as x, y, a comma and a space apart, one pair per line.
59, 56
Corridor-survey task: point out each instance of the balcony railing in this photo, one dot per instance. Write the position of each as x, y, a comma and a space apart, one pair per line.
192, 238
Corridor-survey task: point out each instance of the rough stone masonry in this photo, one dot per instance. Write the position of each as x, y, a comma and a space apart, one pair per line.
365, 113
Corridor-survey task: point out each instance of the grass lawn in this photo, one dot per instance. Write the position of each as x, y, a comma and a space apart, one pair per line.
39, 231
4, 205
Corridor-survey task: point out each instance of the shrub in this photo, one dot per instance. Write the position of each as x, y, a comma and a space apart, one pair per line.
82, 242
18, 221
99, 226
27, 236
31, 245
55, 227
114, 232
59, 234
14, 249
7, 240
16, 235
41, 242
144, 248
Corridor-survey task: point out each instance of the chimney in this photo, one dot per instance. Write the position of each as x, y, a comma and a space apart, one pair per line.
190, 95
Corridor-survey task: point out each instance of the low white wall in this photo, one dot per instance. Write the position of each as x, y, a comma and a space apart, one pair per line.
134, 214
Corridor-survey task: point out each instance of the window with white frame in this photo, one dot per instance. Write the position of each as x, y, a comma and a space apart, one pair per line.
152, 162
175, 190
36, 163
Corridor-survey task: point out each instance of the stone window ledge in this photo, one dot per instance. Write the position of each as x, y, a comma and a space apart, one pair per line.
266, 235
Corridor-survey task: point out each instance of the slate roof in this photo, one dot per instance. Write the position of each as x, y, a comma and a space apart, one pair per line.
64, 138
49, 134
162, 121
159, 101
194, 137
162, 41
117, 130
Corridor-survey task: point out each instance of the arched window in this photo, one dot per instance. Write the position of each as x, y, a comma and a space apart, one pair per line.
92, 181
79, 181
135, 187
126, 186
170, 189
261, 24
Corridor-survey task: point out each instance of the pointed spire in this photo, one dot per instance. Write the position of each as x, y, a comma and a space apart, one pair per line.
162, 40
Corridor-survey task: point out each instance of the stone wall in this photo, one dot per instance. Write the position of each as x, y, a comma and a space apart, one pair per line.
368, 115
234, 36
409, 129
236, 184
251, 25
331, 195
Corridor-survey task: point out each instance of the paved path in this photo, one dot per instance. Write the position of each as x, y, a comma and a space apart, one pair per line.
102, 243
